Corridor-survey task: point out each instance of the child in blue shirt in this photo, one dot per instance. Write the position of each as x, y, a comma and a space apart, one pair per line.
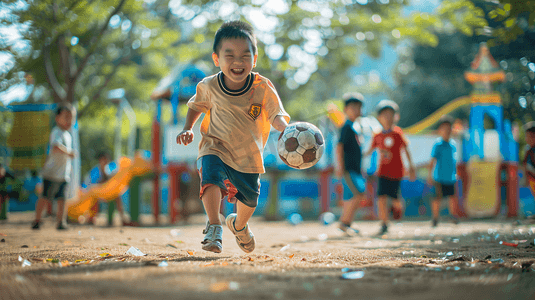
442, 168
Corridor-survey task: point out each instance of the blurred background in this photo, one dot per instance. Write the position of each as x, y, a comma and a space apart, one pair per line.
414, 52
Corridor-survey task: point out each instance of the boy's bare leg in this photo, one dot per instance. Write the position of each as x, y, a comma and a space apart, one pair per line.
237, 223
350, 207
244, 213
61, 209
211, 200
49, 211
452, 205
39, 207
398, 208
382, 209
435, 208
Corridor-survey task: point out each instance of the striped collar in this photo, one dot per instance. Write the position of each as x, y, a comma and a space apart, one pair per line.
239, 92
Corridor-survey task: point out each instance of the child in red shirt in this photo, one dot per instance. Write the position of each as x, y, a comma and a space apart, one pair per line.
390, 143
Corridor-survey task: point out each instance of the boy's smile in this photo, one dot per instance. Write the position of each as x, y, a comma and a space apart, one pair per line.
236, 60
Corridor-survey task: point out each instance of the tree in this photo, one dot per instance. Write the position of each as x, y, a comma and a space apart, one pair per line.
307, 47
79, 48
430, 77
511, 19
76, 50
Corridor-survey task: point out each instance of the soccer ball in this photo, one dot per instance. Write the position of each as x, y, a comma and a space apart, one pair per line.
301, 145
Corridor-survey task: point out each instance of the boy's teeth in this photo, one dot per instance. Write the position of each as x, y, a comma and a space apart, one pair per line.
238, 70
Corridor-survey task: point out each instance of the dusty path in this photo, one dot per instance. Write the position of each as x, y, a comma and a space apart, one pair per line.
411, 262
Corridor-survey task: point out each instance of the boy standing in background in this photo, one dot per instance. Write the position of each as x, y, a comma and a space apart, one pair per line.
349, 158
390, 143
58, 165
444, 164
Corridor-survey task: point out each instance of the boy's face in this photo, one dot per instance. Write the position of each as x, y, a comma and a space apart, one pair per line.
103, 161
386, 118
444, 130
236, 60
65, 119
353, 110
530, 138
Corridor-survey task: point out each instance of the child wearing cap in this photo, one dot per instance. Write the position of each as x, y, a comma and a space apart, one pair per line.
390, 143
349, 157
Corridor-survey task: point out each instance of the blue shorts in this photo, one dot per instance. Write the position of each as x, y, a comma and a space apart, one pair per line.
244, 186
54, 190
355, 182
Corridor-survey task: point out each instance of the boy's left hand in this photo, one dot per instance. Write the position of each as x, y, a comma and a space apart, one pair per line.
412, 174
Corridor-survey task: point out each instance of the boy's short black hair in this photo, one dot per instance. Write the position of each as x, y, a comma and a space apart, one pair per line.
529, 127
353, 98
386, 104
234, 29
103, 154
445, 120
64, 106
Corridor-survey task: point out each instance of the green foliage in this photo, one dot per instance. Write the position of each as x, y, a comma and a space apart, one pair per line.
512, 19
320, 41
463, 15
306, 48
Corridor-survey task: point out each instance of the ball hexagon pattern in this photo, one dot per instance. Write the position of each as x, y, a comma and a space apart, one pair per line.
301, 145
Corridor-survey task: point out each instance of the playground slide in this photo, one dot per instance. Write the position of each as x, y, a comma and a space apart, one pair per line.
434, 117
108, 191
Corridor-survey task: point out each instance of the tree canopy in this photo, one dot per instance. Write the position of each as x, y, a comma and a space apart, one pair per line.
429, 77
77, 50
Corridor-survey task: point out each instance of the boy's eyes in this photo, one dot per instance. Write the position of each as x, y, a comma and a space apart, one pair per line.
231, 56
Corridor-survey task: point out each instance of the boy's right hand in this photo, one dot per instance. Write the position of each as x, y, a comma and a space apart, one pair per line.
430, 180
185, 137
339, 172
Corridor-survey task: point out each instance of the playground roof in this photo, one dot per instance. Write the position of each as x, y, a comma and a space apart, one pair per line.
167, 86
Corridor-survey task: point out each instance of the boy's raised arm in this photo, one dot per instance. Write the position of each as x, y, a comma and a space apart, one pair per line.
186, 135
339, 167
370, 151
431, 167
280, 123
58, 148
412, 173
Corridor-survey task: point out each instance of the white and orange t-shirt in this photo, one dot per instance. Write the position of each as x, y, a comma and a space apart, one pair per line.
237, 123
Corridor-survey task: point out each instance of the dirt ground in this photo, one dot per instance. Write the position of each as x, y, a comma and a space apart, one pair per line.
307, 261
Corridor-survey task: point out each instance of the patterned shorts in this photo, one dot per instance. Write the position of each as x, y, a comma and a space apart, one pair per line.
244, 186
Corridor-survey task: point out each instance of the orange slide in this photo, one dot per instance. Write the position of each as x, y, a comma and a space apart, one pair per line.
79, 208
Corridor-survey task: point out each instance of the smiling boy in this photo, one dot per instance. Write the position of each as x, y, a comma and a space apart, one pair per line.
239, 106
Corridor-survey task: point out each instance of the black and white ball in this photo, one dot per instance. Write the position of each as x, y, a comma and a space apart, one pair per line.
301, 145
